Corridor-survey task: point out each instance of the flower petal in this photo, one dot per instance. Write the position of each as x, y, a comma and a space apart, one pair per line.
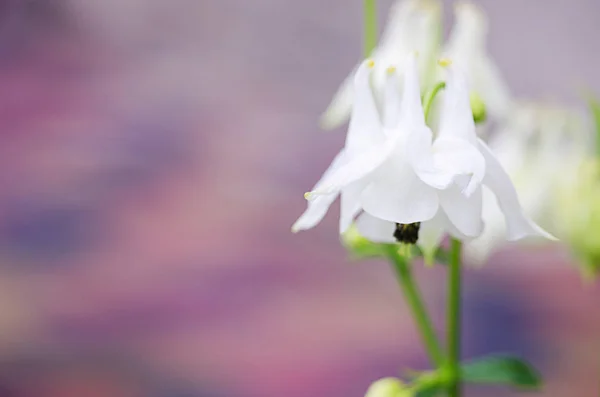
338, 111
365, 125
375, 229
463, 212
431, 233
392, 100
350, 203
420, 155
356, 168
518, 225
477, 251
318, 207
398, 195
456, 119
411, 111
458, 157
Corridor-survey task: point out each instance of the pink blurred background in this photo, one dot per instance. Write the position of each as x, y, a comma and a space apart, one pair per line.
154, 154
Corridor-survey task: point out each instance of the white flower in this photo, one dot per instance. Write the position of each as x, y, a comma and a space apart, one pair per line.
413, 25
467, 48
394, 173
541, 148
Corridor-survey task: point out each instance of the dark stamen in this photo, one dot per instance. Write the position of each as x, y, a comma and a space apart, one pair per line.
407, 233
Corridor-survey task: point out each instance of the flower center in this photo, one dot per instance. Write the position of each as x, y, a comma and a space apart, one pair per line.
407, 233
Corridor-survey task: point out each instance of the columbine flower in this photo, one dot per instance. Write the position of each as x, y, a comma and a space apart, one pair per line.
541, 148
413, 25
398, 177
467, 48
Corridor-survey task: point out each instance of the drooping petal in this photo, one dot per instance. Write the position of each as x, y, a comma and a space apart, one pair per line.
478, 250
398, 195
392, 100
420, 156
375, 229
365, 125
318, 207
517, 223
456, 119
338, 111
459, 157
350, 203
356, 168
431, 233
463, 212
411, 111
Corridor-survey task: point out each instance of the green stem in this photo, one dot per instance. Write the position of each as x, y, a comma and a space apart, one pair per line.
430, 96
370, 26
454, 317
415, 303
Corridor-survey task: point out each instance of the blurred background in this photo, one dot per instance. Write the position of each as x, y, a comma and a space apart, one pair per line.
153, 158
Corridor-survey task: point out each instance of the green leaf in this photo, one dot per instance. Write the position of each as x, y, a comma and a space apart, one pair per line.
501, 370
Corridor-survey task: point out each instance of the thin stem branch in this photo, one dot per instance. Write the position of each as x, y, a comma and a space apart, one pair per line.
454, 318
370, 26
430, 96
415, 303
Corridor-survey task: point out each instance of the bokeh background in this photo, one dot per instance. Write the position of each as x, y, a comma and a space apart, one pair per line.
153, 156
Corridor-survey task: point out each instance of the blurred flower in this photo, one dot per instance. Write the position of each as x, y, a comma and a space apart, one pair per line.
467, 48
541, 148
398, 177
578, 210
388, 387
413, 25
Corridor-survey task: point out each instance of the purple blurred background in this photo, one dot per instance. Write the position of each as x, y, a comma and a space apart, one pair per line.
154, 155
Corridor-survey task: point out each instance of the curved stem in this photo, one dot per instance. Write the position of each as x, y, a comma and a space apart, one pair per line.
454, 317
430, 96
415, 303
370, 26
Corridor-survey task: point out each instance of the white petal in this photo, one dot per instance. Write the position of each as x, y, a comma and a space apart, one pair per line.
365, 125
398, 195
431, 233
463, 212
477, 251
392, 100
318, 207
356, 168
338, 111
419, 154
456, 119
350, 203
411, 111
459, 157
518, 225
375, 229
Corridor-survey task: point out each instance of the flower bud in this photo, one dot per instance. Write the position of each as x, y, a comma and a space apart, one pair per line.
388, 387
477, 107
